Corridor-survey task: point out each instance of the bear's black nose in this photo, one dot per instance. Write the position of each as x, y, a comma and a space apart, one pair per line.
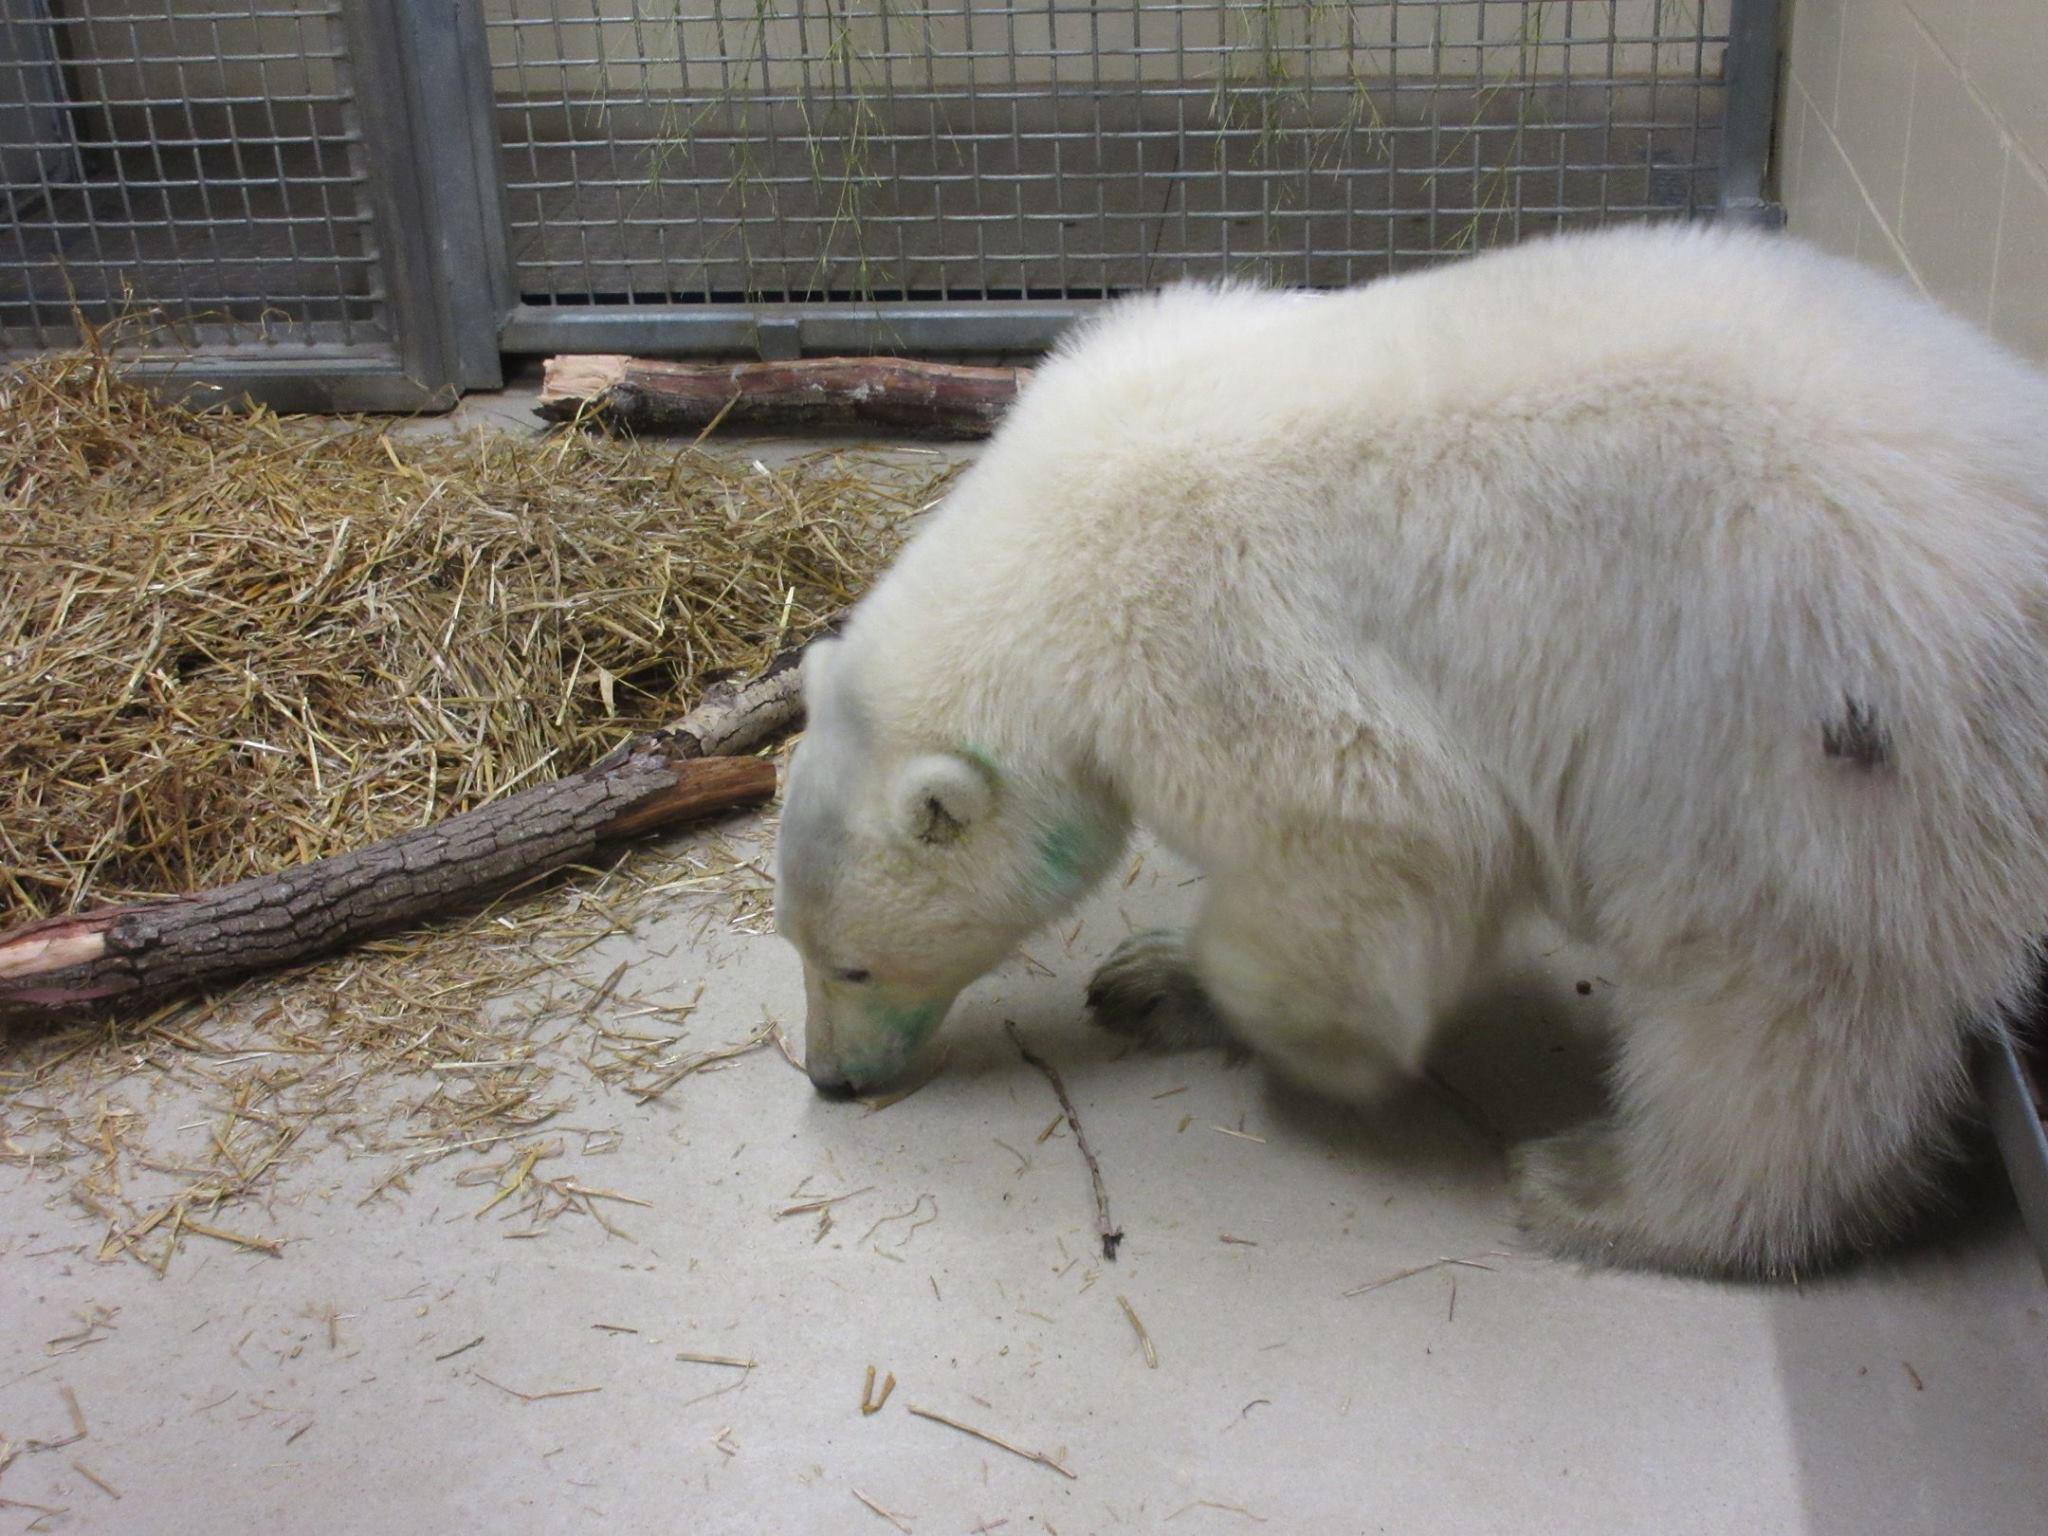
831, 1085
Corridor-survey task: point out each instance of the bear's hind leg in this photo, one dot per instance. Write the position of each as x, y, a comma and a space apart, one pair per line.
1756, 1134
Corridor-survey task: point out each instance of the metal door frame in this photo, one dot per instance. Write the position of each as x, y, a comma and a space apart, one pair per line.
421, 89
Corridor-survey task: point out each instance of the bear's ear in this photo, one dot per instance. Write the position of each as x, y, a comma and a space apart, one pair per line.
938, 798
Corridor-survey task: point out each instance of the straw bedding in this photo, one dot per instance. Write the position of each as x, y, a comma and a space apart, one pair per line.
231, 642
228, 643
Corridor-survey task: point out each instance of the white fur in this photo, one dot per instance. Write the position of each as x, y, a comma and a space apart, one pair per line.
1527, 583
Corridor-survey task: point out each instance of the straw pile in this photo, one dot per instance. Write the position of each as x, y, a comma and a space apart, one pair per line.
231, 643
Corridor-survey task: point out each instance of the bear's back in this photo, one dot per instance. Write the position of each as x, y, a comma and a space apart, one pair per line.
1746, 315
1653, 517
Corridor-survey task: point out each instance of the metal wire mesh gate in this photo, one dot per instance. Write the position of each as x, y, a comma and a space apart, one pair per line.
246, 182
365, 201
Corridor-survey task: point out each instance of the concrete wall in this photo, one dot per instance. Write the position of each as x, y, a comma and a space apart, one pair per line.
1914, 136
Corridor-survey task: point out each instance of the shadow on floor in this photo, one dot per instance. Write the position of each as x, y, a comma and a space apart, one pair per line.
1513, 1064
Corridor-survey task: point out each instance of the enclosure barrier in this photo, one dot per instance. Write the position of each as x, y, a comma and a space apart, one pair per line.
368, 203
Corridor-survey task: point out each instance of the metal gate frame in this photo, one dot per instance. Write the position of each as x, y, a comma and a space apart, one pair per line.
424, 113
788, 330
428, 121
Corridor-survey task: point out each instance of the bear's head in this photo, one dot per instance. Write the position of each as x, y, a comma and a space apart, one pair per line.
907, 869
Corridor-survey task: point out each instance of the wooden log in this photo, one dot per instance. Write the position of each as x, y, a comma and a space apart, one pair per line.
739, 716
151, 948
143, 951
895, 394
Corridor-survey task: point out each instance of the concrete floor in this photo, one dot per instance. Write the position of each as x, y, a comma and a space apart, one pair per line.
365, 1380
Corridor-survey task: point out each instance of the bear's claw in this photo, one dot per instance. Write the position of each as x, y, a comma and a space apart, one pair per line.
1146, 991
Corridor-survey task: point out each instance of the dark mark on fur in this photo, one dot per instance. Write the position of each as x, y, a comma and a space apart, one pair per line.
1857, 737
942, 827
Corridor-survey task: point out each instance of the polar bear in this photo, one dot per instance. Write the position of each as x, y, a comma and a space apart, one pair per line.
1686, 587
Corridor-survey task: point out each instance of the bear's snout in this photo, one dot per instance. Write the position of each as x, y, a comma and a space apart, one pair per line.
830, 1082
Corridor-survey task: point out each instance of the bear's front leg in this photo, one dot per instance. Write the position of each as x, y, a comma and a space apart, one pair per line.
1339, 992
1147, 992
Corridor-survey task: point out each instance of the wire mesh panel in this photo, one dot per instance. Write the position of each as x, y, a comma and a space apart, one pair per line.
719, 152
199, 159
402, 189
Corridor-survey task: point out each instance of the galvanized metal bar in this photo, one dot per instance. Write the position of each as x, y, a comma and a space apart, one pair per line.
737, 329
2022, 1140
1750, 71
308, 383
404, 205
453, 139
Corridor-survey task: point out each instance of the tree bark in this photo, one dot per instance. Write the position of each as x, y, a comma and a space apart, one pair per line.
739, 716
898, 394
148, 949
142, 951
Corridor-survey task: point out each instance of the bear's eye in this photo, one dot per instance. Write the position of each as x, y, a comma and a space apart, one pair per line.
856, 975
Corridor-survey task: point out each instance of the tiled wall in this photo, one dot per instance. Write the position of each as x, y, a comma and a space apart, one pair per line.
1914, 136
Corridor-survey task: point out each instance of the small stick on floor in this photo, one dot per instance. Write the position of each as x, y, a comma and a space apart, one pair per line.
534, 1397
1423, 1269
1111, 1233
981, 1434
1144, 1338
96, 1480
893, 1519
869, 1403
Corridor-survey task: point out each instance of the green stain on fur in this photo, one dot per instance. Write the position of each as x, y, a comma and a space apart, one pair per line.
980, 759
894, 1033
1064, 851
911, 1023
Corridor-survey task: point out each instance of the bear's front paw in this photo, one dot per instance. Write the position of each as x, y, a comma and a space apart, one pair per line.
1146, 991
